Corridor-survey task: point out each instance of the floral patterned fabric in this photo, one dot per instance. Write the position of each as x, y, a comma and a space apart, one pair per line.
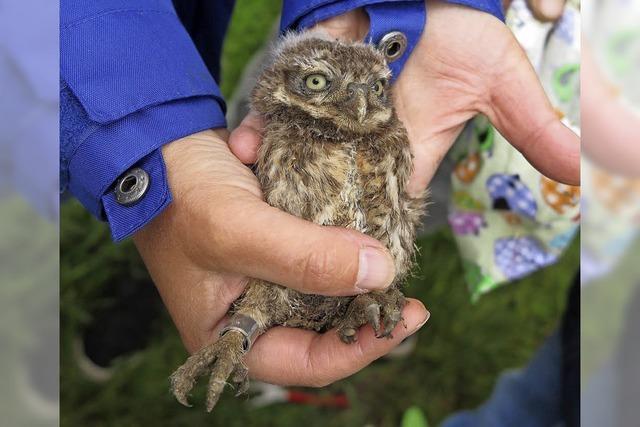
508, 219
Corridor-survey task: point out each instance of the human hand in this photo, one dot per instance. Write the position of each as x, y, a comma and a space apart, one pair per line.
466, 62
218, 231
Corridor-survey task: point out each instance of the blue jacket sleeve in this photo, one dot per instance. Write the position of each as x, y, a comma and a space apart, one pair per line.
131, 81
385, 16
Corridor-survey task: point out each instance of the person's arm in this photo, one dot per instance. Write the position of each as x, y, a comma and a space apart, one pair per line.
133, 85
131, 81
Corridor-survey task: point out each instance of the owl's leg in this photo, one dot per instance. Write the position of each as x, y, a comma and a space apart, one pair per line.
184, 378
220, 358
224, 358
231, 351
382, 310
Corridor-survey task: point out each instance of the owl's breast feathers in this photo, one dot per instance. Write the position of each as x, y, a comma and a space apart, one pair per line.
357, 182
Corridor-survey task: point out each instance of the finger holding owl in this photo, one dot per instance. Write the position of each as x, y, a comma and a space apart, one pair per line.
333, 153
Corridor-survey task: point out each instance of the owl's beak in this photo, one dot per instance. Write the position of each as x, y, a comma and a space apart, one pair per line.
361, 108
358, 93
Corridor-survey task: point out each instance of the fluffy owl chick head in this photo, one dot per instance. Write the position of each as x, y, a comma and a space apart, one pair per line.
342, 84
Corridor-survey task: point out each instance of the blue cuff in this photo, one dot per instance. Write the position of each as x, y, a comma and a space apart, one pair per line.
112, 149
126, 220
136, 82
407, 17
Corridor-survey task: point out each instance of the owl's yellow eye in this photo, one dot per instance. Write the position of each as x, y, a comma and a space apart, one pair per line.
378, 87
316, 82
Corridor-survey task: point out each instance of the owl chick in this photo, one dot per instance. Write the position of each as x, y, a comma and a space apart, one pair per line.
335, 153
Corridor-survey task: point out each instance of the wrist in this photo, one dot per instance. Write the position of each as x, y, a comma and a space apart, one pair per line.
180, 153
352, 25
185, 159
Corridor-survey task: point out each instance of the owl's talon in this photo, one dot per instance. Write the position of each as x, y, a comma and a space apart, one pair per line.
348, 335
243, 387
241, 379
362, 309
230, 353
184, 378
390, 321
392, 315
372, 312
214, 392
182, 399
382, 311
220, 358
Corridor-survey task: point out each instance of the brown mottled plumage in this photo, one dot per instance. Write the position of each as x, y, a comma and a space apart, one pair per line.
335, 153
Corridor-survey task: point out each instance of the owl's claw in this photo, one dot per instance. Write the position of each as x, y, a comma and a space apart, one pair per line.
372, 312
182, 398
382, 311
241, 379
184, 378
220, 358
348, 335
390, 321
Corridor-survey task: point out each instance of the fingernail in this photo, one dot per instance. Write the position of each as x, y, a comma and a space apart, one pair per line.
375, 269
421, 324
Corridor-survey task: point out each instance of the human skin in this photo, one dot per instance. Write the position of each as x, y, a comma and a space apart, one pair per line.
456, 71
218, 231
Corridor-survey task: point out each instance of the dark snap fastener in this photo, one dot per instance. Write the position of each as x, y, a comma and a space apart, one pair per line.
393, 45
132, 186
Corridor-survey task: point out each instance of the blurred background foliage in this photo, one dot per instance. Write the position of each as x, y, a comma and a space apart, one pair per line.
459, 354
28, 315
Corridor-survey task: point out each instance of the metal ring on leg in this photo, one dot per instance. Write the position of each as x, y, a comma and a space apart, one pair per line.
246, 326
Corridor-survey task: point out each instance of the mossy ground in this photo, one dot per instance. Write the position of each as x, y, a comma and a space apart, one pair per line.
460, 351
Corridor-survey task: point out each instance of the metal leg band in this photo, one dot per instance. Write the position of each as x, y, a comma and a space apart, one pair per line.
246, 326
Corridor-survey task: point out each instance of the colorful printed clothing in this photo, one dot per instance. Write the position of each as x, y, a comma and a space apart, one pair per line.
508, 219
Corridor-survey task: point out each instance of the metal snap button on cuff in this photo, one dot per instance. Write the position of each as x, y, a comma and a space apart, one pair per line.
393, 45
132, 186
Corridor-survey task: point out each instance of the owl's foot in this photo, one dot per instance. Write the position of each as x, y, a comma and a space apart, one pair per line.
220, 359
382, 311
240, 379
